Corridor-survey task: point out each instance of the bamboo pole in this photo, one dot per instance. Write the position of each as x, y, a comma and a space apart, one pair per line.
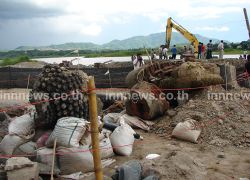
53, 161
94, 129
28, 83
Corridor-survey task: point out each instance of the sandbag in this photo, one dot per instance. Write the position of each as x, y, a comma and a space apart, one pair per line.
44, 155
68, 132
112, 118
23, 126
73, 160
187, 130
28, 148
122, 140
10, 143
106, 148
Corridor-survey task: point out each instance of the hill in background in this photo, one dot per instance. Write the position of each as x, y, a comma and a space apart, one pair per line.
136, 42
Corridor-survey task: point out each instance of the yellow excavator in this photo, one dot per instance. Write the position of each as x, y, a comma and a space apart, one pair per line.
189, 36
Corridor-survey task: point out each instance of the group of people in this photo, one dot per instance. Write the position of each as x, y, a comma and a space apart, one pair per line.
246, 74
137, 61
207, 52
244, 56
163, 52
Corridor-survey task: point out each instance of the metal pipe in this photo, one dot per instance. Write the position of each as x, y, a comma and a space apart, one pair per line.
94, 129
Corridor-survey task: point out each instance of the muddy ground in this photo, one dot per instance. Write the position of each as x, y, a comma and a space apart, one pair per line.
183, 160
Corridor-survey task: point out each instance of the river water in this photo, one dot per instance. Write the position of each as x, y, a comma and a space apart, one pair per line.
90, 61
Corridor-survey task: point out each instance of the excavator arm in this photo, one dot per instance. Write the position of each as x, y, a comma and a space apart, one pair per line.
189, 36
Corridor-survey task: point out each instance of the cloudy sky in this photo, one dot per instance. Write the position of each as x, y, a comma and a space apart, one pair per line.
45, 22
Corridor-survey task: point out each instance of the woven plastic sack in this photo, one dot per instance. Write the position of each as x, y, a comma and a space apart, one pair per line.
122, 139
106, 148
23, 126
68, 132
10, 143
72, 160
187, 131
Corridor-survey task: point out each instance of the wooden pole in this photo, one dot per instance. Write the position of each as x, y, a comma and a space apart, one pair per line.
148, 56
53, 161
28, 83
94, 129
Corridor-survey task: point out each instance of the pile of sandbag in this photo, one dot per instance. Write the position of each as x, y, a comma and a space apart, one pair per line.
73, 143
20, 131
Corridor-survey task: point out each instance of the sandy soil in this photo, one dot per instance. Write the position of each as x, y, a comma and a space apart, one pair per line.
183, 160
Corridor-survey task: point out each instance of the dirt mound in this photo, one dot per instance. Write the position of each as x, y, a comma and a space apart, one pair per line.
223, 122
33, 64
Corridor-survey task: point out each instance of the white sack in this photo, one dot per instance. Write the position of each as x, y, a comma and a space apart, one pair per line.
23, 126
122, 139
68, 132
187, 131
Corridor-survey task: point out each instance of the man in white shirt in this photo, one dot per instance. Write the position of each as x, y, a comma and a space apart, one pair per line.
165, 53
221, 49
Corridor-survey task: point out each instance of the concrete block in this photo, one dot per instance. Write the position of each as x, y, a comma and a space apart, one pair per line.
228, 73
21, 168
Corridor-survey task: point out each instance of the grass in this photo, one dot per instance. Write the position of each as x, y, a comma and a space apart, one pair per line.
12, 61
231, 51
121, 53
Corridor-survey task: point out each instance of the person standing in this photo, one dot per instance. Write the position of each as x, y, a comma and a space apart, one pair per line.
165, 52
209, 50
135, 61
174, 52
153, 54
185, 49
203, 50
199, 50
140, 60
221, 49
160, 52
247, 66
245, 55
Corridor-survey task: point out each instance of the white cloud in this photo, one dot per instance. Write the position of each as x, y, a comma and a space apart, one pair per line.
87, 17
213, 28
92, 30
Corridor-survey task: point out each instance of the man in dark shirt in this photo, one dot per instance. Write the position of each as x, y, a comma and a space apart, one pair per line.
199, 50
174, 52
209, 50
247, 65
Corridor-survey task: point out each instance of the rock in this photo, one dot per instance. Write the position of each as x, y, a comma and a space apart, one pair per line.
21, 168
171, 113
198, 116
221, 155
246, 119
220, 121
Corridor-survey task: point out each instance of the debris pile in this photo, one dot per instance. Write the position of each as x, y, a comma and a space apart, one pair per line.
177, 75
223, 122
